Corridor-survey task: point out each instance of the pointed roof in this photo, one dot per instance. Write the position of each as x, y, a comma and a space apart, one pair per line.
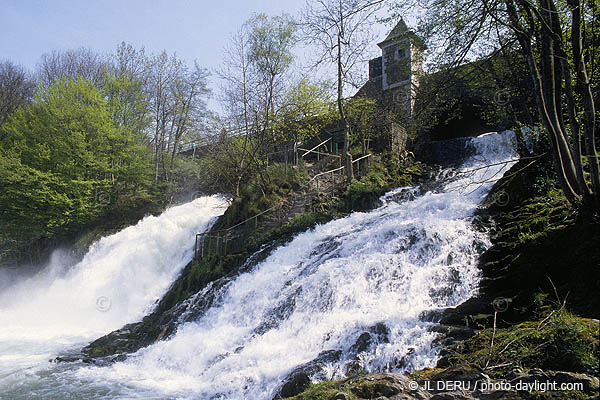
401, 30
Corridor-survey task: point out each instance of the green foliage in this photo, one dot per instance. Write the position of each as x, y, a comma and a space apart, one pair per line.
304, 113
386, 171
255, 197
362, 115
64, 161
557, 341
271, 40
489, 94
325, 391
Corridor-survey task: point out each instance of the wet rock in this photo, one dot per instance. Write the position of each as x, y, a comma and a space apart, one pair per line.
460, 315
387, 386
431, 315
362, 343
353, 368
119, 358
454, 332
382, 331
295, 384
377, 333
339, 396
300, 378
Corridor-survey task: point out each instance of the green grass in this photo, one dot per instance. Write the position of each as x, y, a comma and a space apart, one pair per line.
556, 341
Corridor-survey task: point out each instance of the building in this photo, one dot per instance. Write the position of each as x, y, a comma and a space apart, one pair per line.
394, 76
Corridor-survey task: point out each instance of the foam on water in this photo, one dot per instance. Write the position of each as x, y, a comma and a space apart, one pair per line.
377, 272
380, 273
118, 281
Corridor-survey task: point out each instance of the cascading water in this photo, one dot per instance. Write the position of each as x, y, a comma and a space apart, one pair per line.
351, 293
118, 281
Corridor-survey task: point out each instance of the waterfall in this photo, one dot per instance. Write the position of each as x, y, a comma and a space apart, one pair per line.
118, 281
356, 293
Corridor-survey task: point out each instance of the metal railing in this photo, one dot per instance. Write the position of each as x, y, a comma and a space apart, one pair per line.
219, 242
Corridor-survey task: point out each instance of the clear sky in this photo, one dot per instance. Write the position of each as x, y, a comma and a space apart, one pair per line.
194, 29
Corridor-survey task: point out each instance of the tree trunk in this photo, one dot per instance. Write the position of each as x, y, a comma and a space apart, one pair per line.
524, 37
346, 125
584, 91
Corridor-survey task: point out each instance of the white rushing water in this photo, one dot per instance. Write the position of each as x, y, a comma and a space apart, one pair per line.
359, 286
118, 281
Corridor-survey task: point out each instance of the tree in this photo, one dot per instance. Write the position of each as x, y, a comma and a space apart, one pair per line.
551, 37
303, 114
271, 41
58, 154
341, 30
16, 89
362, 115
238, 92
174, 95
254, 71
76, 63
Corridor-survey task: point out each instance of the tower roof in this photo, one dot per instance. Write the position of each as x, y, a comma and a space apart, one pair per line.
401, 31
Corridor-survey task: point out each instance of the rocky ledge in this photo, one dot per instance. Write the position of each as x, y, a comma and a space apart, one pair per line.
457, 384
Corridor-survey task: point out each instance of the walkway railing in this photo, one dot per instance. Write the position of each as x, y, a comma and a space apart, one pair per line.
220, 242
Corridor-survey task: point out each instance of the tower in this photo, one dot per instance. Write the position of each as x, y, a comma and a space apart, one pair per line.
401, 65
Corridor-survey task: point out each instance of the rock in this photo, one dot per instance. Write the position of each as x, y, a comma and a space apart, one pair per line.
339, 396
514, 373
431, 315
539, 377
294, 385
300, 378
119, 358
459, 315
387, 385
454, 332
362, 343
382, 331
453, 396
378, 332
353, 368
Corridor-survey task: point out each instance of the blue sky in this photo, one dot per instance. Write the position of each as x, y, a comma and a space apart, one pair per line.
194, 29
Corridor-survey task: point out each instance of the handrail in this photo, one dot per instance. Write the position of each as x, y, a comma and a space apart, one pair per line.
318, 152
227, 230
360, 158
323, 173
316, 147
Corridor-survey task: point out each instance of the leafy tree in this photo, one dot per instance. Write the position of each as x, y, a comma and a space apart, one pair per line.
271, 41
341, 31
255, 69
556, 39
64, 160
304, 113
363, 116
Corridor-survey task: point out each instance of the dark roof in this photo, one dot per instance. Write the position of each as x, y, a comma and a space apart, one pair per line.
401, 31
